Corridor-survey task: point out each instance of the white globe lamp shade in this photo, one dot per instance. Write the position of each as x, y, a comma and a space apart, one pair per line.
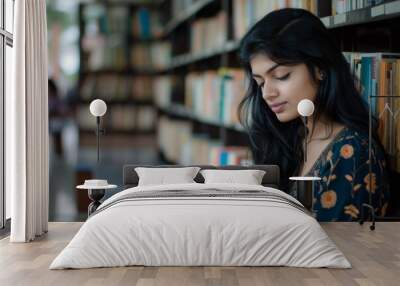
98, 107
305, 107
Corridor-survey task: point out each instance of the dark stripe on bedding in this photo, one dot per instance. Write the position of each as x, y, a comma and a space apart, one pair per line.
206, 194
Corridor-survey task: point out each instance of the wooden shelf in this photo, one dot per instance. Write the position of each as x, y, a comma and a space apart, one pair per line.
118, 131
123, 102
183, 60
186, 15
182, 112
133, 3
149, 72
135, 40
370, 14
361, 16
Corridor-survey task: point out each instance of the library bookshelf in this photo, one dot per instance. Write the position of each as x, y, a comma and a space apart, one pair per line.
366, 31
198, 82
116, 46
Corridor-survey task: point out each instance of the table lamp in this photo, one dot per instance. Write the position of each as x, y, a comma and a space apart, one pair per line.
305, 184
96, 188
98, 108
305, 109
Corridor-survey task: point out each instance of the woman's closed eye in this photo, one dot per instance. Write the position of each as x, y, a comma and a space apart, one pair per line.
284, 77
260, 84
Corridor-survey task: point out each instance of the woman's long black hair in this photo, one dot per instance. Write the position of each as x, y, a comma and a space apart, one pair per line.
295, 36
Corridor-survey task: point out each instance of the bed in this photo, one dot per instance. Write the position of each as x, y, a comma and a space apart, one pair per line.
201, 224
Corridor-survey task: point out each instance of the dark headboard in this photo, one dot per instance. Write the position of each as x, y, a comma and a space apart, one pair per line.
270, 179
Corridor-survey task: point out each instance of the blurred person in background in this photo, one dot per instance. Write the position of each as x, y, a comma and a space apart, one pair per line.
57, 114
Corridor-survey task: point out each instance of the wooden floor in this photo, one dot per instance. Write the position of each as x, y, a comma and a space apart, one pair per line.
375, 257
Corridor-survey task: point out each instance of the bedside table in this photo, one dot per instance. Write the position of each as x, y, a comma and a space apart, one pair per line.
305, 190
96, 191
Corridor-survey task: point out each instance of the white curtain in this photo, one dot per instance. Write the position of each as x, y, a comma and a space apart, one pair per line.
27, 166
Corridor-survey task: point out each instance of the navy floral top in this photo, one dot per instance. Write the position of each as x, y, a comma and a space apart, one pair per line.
344, 169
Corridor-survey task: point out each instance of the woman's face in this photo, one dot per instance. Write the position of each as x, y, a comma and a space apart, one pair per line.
283, 86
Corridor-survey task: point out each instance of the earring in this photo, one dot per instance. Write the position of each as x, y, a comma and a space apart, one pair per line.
322, 75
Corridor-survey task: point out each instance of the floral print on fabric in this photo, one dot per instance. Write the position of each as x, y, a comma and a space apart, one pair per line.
346, 182
328, 199
347, 151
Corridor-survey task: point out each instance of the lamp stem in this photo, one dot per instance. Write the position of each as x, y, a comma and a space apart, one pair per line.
306, 138
98, 138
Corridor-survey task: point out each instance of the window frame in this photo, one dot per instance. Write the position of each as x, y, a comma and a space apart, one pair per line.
6, 39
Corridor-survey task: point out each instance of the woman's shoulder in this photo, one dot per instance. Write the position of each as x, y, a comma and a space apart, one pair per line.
349, 136
352, 143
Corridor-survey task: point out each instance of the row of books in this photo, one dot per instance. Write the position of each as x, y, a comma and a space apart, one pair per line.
343, 6
379, 77
246, 13
105, 41
100, 19
114, 87
230, 155
181, 6
104, 36
112, 53
152, 56
101, 52
162, 87
119, 117
215, 95
209, 33
181, 146
142, 23
146, 24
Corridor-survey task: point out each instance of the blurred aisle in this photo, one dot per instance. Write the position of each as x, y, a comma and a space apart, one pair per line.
115, 152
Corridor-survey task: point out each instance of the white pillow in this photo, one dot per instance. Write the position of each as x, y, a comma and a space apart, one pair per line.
249, 177
162, 176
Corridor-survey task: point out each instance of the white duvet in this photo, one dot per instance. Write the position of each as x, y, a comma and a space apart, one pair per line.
200, 231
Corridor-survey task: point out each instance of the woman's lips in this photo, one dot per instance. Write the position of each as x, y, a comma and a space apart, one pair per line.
278, 108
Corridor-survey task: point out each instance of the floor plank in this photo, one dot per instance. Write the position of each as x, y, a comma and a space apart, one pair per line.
375, 257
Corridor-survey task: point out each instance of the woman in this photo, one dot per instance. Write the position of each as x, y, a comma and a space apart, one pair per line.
288, 56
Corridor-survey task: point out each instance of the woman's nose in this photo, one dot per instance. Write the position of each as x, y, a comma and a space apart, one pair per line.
269, 92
